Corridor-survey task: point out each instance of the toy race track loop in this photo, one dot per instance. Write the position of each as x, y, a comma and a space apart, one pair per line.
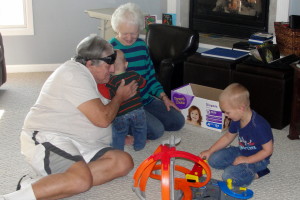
197, 183
166, 155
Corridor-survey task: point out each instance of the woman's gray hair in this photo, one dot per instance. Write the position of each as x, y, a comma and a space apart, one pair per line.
90, 48
128, 13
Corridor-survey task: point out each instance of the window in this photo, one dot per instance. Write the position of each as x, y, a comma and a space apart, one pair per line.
16, 17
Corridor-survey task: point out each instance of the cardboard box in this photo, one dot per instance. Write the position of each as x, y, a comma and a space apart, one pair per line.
192, 98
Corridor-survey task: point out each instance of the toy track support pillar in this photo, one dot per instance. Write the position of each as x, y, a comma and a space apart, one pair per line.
172, 167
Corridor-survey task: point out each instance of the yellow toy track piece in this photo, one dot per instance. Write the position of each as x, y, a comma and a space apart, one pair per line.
229, 184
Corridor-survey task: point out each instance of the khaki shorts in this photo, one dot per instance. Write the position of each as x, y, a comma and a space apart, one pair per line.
50, 153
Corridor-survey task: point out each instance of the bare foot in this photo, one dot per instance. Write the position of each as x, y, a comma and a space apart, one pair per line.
129, 140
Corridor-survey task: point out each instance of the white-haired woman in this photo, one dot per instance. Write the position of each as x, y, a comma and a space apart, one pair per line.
161, 114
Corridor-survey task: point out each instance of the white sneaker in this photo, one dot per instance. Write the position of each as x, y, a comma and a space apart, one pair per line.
26, 180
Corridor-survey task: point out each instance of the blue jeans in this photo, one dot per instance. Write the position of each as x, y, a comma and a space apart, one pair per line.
243, 174
159, 119
133, 122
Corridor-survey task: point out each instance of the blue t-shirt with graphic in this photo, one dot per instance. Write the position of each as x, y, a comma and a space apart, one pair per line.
251, 138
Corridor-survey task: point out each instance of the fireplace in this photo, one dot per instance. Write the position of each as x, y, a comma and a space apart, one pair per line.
232, 18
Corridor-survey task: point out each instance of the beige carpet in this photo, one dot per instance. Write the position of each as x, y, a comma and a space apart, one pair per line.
21, 91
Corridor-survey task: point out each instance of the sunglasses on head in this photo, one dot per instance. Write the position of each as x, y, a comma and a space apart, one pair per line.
108, 59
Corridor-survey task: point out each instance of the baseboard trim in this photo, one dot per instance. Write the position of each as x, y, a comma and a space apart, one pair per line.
31, 68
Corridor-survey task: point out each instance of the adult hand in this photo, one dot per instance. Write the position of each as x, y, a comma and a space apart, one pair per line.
127, 91
168, 103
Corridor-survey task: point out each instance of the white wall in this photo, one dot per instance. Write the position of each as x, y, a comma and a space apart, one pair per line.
59, 26
282, 10
294, 7
181, 8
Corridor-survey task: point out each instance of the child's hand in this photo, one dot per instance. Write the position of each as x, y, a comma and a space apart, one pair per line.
205, 154
240, 160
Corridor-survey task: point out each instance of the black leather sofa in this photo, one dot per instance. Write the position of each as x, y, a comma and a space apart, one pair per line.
270, 89
2, 63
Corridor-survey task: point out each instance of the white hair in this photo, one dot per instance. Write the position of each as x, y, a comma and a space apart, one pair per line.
128, 13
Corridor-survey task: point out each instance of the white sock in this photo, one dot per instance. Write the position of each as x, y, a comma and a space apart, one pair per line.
24, 194
29, 181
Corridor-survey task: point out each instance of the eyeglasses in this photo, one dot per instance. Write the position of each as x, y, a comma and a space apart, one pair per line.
108, 59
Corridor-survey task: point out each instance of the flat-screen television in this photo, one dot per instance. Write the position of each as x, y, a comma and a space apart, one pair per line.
232, 18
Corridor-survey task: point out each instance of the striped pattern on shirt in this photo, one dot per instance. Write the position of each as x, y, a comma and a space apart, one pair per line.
133, 102
137, 56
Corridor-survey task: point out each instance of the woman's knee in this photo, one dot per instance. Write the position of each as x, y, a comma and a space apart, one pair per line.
159, 119
175, 121
178, 122
155, 131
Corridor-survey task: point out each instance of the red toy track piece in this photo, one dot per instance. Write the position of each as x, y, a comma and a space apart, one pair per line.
164, 154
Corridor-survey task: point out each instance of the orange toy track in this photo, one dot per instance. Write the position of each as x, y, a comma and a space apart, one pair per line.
166, 155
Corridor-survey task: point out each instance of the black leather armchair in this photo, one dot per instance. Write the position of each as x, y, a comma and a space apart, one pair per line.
169, 46
2, 63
